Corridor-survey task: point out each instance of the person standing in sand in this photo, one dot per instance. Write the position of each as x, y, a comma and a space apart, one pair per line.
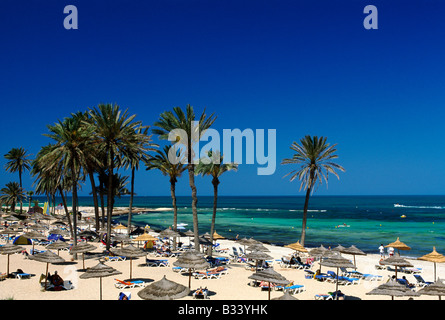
382, 251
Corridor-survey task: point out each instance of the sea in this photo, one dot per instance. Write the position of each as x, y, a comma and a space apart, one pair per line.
363, 221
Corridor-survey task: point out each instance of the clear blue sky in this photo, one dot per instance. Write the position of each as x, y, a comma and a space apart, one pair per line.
300, 67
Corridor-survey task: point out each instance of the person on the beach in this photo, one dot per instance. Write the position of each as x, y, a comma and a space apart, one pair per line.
382, 251
390, 251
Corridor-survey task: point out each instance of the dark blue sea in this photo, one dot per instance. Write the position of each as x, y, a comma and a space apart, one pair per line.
363, 221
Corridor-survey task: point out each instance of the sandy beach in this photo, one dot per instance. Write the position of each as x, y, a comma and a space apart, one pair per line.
232, 286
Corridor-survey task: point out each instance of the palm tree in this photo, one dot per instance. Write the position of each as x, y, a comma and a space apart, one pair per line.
315, 156
178, 120
210, 167
18, 162
12, 193
71, 137
30, 194
116, 131
162, 163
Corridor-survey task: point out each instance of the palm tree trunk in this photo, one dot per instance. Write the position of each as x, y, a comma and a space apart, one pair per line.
110, 197
215, 183
191, 170
130, 210
74, 208
95, 201
21, 199
175, 209
306, 205
66, 211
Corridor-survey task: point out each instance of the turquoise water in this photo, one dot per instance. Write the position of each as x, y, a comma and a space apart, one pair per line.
370, 220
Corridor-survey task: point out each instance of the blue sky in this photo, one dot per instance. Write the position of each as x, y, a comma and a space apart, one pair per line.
300, 67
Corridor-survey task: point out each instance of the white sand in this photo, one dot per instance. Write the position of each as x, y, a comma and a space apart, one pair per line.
232, 286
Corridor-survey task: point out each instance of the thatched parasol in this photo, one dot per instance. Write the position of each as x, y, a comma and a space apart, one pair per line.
8, 231
354, 251
435, 289
163, 289
399, 245
396, 261
145, 237
131, 252
393, 289
82, 248
191, 260
337, 261
217, 236
169, 233
100, 271
9, 249
433, 257
296, 246
34, 235
58, 245
269, 276
257, 247
257, 256
47, 257
122, 238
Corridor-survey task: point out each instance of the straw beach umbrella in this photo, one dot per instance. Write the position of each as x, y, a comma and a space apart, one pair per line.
9, 249
257, 256
337, 261
396, 261
296, 246
58, 245
191, 260
131, 252
399, 245
163, 289
354, 251
47, 257
433, 257
285, 296
393, 289
34, 235
82, 248
9, 231
145, 237
100, 271
435, 289
270, 276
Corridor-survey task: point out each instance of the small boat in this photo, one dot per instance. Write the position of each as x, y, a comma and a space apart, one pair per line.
402, 216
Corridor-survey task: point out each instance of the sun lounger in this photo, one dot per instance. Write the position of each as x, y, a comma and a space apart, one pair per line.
200, 293
115, 258
411, 270
292, 288
124, 295
420, 282
22, 275
157, 263
323, 297
120, 284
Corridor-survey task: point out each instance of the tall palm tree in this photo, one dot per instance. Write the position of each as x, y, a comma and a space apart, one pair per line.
210, 167
18, 162
30, 194
116, 131
11, 193
185, 121
314, 156
162, 163
71, 137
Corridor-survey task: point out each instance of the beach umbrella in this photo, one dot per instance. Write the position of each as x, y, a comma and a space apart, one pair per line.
393, 289
189, 234
88, 233
270, 276
163, 289
122, 238
217, 236
257, 256
145, 237
296, 246
435, 289
354, 251
191, 260
433, 257
9, 231
131, 252
337, 261
82, 248
399, 245
47, 257
34, 235
9, 249
100, 271
396, 261
58, 245
120, 227
257, 247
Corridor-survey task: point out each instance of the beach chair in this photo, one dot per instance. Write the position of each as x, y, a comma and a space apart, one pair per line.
201, 293
22, 275
323, 297
285, 262
411, 270
115, 258
157, 263
120, 284
420, 282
